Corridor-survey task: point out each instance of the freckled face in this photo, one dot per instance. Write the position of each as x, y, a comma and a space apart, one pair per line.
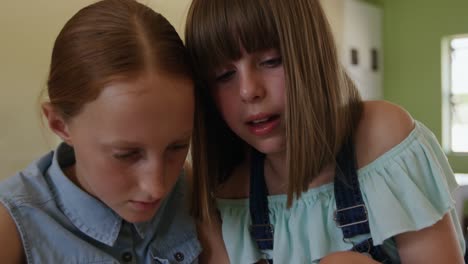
131, 142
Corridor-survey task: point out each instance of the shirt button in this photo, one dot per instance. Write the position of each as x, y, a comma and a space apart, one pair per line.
179, 256
127, 256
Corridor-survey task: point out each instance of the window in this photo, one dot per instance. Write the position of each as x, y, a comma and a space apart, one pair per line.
456, 94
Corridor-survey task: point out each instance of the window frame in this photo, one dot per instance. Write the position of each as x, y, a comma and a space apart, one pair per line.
447, 95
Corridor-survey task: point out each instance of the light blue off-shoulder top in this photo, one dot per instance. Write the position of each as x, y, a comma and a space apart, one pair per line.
407, 188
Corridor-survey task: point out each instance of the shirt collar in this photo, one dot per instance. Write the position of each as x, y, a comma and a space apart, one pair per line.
88, 214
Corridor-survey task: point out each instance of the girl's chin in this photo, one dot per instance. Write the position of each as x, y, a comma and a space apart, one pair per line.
271, 148
138, 217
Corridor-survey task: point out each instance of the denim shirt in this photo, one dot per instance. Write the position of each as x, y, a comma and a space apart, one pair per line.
60, 223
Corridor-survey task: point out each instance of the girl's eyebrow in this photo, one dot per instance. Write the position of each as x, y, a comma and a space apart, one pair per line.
121, 144
183, 139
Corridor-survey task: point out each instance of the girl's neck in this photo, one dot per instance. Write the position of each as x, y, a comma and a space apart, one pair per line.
277, 179
276, 174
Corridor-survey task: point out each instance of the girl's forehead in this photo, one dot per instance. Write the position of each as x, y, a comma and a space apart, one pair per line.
219, 30
241, 51
144, 103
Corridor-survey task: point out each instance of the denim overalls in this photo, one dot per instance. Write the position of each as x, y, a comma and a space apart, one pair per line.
350, 215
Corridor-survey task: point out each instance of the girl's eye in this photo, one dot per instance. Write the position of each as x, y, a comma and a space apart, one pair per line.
178, 147
273, 62
225, 76
126, 155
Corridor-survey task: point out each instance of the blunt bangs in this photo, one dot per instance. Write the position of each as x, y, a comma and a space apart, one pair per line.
216, 34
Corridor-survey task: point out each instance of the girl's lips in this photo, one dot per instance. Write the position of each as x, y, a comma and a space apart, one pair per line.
144, 206
263, 125
257, 117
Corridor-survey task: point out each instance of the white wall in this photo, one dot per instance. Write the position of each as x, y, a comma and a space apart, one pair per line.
334, 10
357, 24
362, 31
27, 33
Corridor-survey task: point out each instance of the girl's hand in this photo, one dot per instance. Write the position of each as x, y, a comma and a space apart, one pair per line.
347, 257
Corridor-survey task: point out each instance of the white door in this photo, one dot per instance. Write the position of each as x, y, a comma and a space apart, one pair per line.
361, 50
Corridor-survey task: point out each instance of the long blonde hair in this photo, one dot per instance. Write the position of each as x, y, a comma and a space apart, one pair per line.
323, 105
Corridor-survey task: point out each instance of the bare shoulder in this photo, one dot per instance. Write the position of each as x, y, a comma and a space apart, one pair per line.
237, 186
11, 250
383, 125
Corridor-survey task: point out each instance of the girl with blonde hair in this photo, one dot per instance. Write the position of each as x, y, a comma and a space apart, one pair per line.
290, 165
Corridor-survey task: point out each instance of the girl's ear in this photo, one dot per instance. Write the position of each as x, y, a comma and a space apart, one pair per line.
56, 123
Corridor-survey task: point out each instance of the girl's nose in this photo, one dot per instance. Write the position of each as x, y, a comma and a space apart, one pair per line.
152, 181
251, 87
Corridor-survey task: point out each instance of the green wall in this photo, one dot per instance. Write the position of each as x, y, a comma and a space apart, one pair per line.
374, 2
413, 30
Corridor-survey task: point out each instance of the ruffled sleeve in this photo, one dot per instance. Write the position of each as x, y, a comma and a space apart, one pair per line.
409, 187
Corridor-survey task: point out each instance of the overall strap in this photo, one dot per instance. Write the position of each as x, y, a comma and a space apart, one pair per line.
261, 229
351, 213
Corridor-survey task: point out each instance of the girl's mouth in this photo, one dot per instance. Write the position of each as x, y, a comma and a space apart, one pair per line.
263, 125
